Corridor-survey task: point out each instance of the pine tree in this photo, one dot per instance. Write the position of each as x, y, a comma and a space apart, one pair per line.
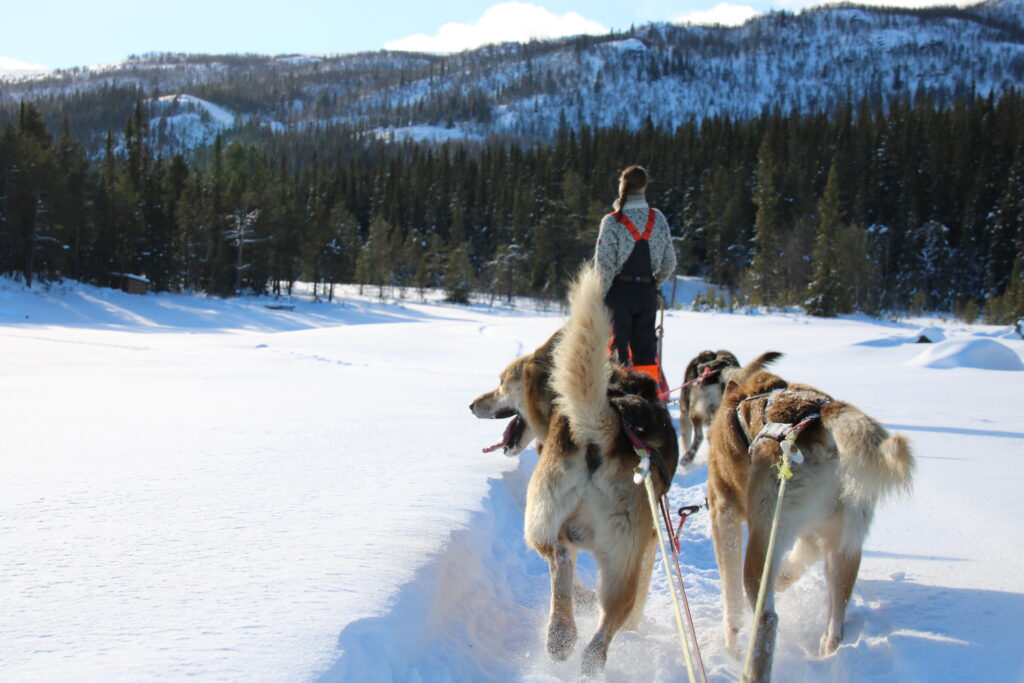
69, 199
507, 270
730, 215
377, 265
342, 247
764, 277
856, 269
458, 275
29, 198
1007, 227
1008, 307
827, 295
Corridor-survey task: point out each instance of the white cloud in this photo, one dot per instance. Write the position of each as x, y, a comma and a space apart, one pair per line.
724, 13
508, 21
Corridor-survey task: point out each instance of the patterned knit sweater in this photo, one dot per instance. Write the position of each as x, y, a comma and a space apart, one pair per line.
614, 243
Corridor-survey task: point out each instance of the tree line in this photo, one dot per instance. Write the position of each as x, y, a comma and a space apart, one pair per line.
881, 210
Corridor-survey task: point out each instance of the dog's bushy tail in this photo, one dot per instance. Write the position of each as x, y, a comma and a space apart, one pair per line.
878, 463
581, 368
742, 374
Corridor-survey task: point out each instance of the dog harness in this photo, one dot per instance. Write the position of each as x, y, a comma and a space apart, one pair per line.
739, 421
783, 432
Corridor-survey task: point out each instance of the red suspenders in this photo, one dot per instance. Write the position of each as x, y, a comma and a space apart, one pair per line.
632, 228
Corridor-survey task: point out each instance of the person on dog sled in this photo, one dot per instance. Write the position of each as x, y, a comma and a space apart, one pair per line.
634, 256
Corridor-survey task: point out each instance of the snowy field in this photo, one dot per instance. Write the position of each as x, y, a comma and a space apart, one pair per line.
215, 490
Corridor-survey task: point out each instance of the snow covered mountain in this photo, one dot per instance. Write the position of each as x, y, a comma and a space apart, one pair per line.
12, 69
660, 73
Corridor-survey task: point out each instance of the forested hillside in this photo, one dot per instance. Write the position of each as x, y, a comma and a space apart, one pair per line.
810, 62
842, 159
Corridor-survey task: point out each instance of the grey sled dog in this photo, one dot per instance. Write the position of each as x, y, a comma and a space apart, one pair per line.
849, 463
581, 496
700, 398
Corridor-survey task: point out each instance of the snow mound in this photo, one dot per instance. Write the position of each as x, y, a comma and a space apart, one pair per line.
923, 335
928, 335
984, 354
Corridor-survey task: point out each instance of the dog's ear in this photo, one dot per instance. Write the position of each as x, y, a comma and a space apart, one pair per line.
731, 386
535, 376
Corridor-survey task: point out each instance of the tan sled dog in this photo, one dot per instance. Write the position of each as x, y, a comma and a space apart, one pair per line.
581, 495
849, 463
703, 384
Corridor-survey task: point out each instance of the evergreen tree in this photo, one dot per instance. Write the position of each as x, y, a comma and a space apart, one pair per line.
69, 195
856, 269
827, 295
729, 217
1007, 228
459, 278
507, 270
342, 248
28, 201
377, 267
764, 277
1008, 308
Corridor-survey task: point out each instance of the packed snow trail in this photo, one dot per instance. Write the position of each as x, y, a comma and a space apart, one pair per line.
479, 611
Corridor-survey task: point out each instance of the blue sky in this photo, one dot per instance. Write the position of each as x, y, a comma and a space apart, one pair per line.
66, 33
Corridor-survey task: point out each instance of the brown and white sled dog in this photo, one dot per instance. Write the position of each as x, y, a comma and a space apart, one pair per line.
849, 463
700, 398
581, 495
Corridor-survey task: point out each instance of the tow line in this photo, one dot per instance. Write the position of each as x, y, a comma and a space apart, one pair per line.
642, 475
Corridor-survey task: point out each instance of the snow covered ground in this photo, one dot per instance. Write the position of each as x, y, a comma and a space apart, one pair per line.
200, 488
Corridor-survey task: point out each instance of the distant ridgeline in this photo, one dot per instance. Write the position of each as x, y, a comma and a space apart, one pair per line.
840, 159
812, 62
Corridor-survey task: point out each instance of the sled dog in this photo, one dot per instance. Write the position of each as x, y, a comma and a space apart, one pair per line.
581, 496
700, 398
850, 462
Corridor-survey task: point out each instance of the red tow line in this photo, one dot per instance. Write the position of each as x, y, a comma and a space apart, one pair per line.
699, 379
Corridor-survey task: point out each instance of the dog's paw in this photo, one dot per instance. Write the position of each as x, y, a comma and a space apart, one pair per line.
561, 639
594, 658
687, 458
829, 642
732, 644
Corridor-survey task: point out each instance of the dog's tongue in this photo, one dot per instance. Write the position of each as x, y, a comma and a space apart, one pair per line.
510, 429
